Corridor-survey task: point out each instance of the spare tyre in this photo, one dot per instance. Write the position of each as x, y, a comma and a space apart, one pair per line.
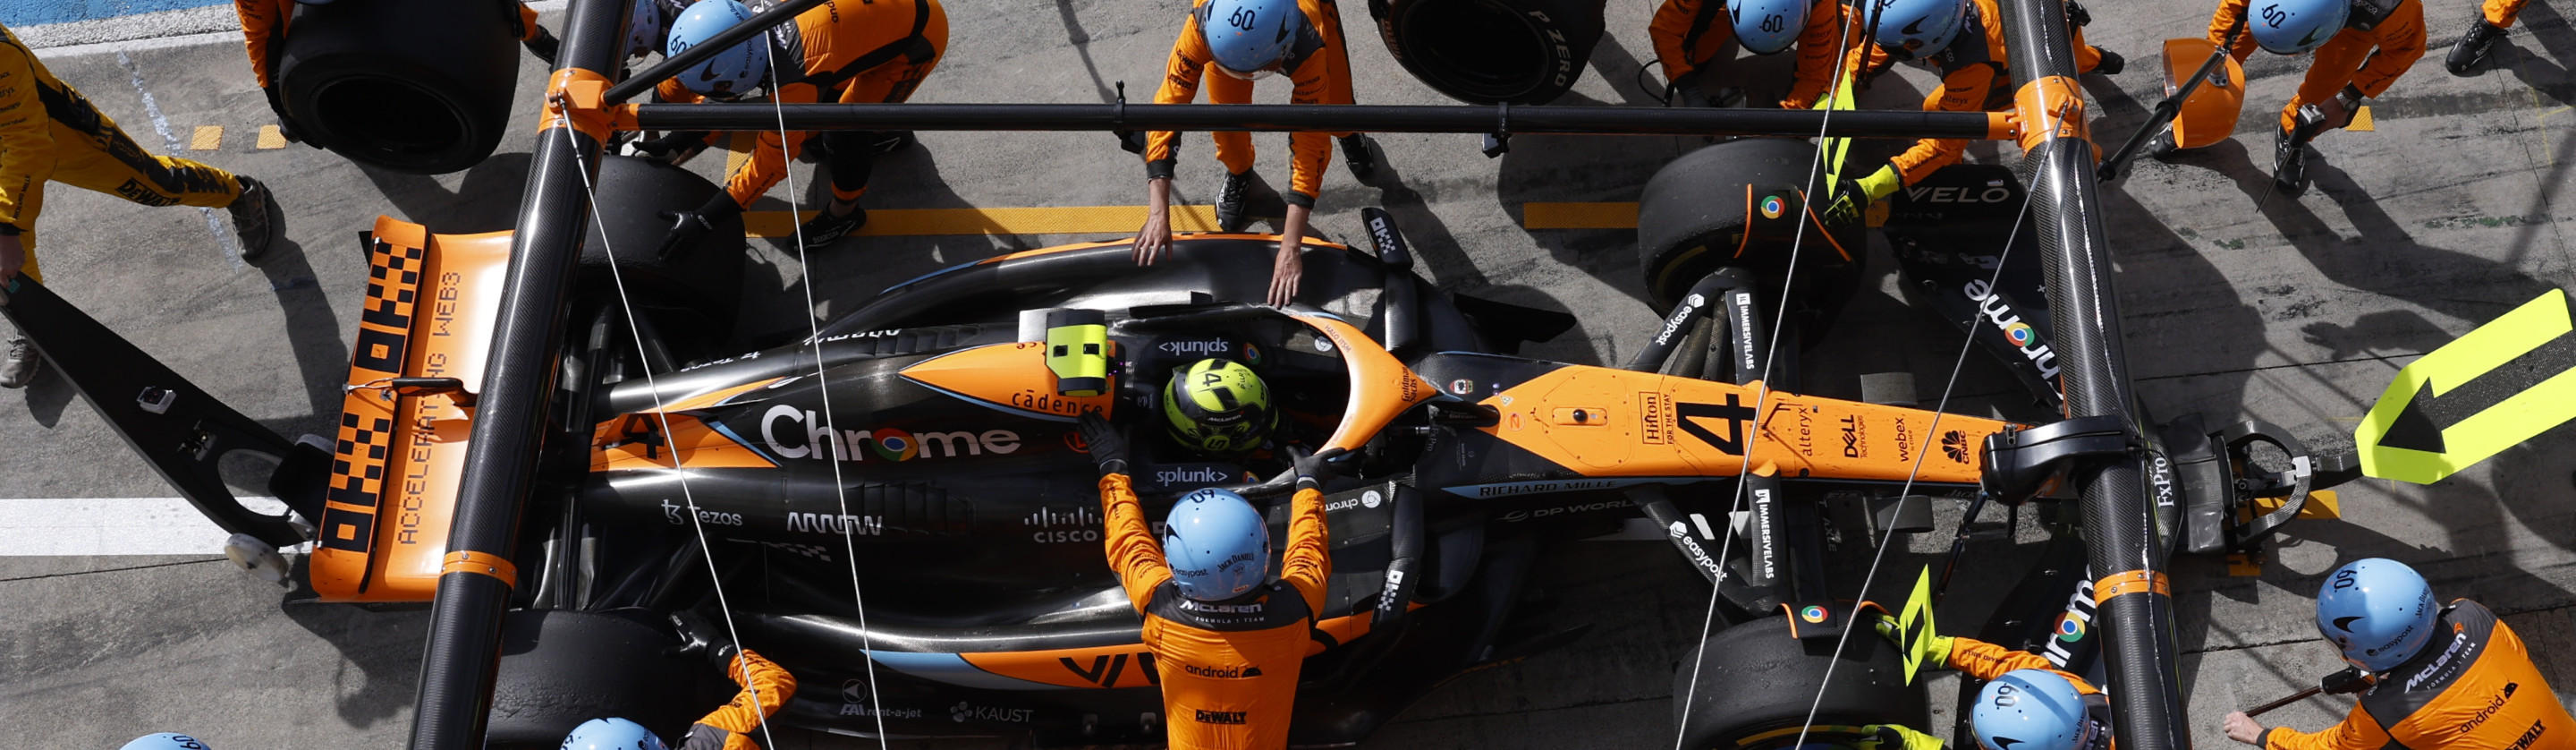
1492, 51
1761, 687
418, 86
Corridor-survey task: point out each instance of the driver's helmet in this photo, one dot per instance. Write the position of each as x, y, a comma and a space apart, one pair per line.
1217, 545
1218, 406
2032, 709
612, 734
165, 741
2377, 611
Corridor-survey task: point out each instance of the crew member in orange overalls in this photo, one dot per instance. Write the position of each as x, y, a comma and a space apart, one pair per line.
2441, 677
2494, 16
1228, 642
766, 687
264, 25
2361, 47
2026, 704
851, 53
1688, 35
1229, 44
1974, 77
50, 133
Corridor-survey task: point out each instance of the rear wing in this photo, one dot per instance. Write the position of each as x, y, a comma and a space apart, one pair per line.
413, 369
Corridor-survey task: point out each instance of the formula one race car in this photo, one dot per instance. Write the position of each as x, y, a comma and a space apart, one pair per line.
918, 456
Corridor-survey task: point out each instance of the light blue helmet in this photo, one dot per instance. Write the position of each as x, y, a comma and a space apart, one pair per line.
2291, 27
645, 28
728, 73
611, 734
165, 741
1217, 545
2378, 611
1768, 26
1913, 29
2031, 709
1250, 37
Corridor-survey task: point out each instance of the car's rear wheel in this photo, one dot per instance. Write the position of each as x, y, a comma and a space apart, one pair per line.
560, 668
1488, 51
692, 293
419, 86
1758, 684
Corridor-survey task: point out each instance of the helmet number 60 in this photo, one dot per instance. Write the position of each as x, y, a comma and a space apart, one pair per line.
1241, 19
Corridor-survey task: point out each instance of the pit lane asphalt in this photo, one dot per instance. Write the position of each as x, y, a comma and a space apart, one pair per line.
2454, 210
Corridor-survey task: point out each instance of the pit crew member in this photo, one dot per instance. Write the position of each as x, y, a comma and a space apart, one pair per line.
1229, 44
1688, 35
1228, 641
2442, 676
2361, 47
765, 688
165, 741
1964, 41
850, 53
2027, 704
50, 133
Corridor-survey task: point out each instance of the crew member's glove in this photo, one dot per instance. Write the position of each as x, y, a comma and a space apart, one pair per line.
673, 147
690, 227
702, 639
2350, 680
1897, 737
1851, 199
1934, 647
1108, 448
1314, 468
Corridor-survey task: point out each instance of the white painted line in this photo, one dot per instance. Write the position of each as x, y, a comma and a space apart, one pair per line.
213, 24
96, 526
170, 144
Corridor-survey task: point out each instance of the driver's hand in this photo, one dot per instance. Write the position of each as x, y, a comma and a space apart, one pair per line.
1108, 447
1285, 271
1314, 468
1155, 240
13, 255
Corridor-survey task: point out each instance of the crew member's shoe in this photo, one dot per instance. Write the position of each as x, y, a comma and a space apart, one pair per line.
1229, 201
2112, 63
2289, 165
826, 227
251, 219
1355, 152
2472, 50
20, 368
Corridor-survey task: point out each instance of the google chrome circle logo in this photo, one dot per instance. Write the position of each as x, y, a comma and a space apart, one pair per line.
2069, 629
1812, 613
895, 445
2020, 334
1771, 207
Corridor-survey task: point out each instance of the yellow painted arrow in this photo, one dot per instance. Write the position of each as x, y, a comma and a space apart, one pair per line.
2475, 397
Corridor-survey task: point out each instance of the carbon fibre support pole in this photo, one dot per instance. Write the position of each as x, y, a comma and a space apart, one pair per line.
668, 67
463, 654
2135, 605
1908, 124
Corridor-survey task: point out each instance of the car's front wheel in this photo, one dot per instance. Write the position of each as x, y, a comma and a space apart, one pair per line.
1758, 686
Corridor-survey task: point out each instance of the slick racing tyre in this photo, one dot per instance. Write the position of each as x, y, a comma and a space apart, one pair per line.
1491, 51
1759, 682
1742, 203
418, 86
560, 668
